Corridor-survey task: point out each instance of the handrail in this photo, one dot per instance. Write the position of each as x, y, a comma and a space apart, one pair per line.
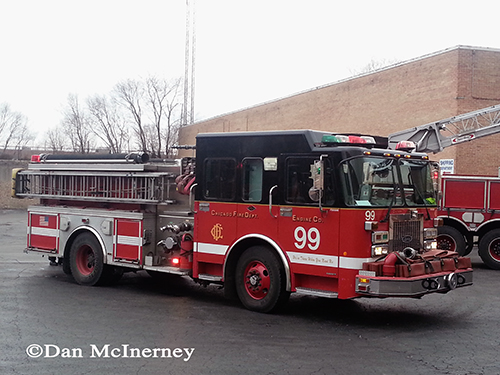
271, 201
191, 207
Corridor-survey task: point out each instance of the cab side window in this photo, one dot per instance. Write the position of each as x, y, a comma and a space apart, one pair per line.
220, 179
299, 182
252, 180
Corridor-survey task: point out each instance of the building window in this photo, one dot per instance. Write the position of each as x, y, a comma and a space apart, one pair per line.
220, 181
252, 180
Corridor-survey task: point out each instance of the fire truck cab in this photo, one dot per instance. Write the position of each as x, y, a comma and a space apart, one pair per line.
319, 214
264, 214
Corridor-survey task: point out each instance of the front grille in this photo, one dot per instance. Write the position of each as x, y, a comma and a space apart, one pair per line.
406, 231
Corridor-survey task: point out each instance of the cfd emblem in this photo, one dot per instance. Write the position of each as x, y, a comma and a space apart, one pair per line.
216, 232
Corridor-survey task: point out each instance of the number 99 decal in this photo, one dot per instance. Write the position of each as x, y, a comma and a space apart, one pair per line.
311, 238
369, 215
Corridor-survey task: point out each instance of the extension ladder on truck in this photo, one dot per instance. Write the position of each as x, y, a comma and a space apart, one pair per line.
125, 183
436, 136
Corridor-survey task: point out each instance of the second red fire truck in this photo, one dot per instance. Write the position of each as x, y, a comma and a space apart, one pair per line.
264, 214
470, 209
469, 205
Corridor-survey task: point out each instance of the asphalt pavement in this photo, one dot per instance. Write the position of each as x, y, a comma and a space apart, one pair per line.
51, 325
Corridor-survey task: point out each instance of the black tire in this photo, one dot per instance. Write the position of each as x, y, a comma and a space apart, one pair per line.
469, 244
451, 239
86, 260
260, 280
66, 265
489, 249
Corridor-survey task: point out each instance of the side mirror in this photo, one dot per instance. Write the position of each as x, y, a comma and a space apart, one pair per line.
317, 175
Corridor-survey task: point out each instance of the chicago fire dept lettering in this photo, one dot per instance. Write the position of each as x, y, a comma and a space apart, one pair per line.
240, 215
216, 232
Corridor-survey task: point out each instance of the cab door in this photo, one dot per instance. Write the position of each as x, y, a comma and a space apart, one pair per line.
215, 217
308, 224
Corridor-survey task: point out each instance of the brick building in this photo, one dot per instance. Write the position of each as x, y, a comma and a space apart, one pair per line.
404, 95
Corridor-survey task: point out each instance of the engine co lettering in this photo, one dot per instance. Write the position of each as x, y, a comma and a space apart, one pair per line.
240, 215
311, 219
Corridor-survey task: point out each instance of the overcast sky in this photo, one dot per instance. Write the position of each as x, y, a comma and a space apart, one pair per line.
247, 52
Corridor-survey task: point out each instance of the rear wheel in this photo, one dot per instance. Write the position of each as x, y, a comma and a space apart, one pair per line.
489, 249
451, 239
86, 260
260, 280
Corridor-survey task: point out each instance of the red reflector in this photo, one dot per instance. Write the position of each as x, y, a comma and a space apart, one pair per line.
35, 158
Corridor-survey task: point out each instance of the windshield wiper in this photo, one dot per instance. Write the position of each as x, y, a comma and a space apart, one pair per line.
393, 200
423, 201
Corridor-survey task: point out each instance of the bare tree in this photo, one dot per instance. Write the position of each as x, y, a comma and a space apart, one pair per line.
55, 139
163, 99
172, 116
13, 128
22, 135
76, 125
107, 124
130, 94
151, 140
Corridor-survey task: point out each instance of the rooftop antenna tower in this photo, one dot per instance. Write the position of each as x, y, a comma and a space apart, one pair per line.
188, 107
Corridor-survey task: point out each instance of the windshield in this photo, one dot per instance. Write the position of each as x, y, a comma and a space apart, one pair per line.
382, 181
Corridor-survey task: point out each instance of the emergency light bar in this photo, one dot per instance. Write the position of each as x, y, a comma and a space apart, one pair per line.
347, 139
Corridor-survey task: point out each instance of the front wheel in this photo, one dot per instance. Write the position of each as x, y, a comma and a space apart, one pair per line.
489, 249
451, 239
86, 259
261, 280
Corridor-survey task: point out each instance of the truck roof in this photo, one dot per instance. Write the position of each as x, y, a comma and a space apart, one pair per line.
287, 141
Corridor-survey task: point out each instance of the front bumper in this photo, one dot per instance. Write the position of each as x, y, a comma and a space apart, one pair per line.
383, 286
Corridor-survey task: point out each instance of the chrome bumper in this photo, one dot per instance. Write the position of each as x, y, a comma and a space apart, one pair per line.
443, 282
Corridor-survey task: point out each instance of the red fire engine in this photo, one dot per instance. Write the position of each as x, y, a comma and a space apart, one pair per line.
470, 208
469, 205
262, 213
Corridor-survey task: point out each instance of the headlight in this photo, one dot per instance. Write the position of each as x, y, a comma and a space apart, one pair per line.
430, 233
430, 245
378, 250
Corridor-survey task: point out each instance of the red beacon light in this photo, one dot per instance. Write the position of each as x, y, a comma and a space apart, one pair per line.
356, 139
36, 158
407, 146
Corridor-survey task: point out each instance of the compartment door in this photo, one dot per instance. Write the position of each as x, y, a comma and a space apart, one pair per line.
43, 232
127, 240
